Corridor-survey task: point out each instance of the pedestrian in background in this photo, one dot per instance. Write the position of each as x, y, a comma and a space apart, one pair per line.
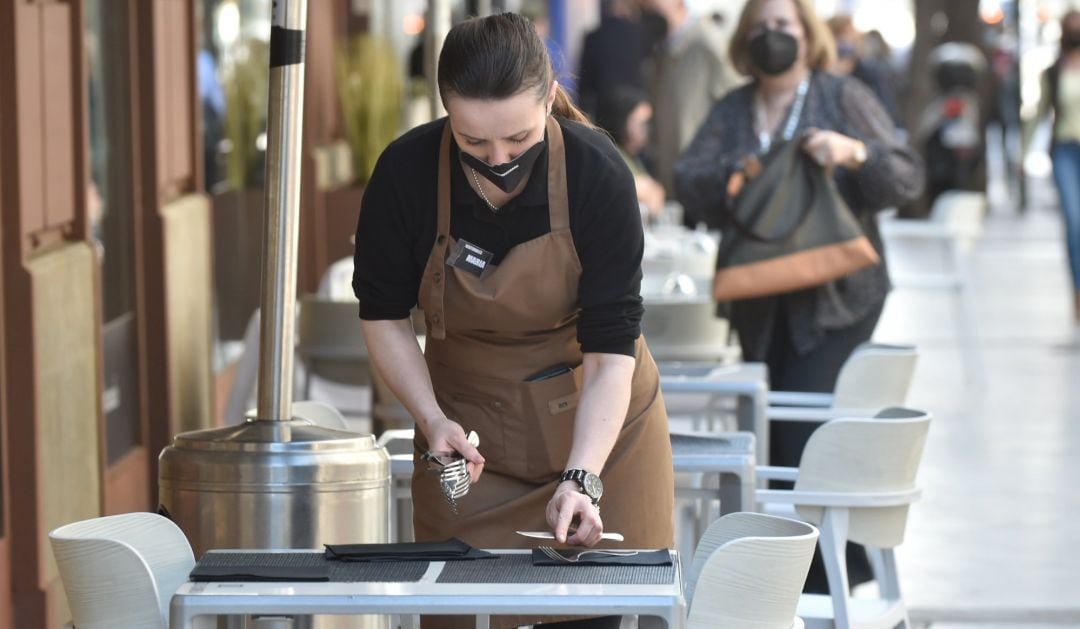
804, 336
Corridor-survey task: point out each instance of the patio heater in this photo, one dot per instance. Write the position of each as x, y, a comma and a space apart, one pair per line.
275, 481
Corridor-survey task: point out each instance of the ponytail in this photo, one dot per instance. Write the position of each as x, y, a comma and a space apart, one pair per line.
565, 108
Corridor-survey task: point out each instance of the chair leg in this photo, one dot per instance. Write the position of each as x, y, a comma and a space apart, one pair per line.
833, 542
888, 579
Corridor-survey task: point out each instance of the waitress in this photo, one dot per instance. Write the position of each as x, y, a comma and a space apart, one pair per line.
514, 224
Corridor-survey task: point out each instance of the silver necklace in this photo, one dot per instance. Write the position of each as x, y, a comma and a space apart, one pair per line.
481, 191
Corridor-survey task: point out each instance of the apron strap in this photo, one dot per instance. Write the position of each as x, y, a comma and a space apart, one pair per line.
558, 199
437, 261
558, 214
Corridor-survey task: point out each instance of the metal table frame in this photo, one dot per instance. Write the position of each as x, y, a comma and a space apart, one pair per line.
747, 382
658, 605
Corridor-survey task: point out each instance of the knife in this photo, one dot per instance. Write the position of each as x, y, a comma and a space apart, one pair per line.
615, 537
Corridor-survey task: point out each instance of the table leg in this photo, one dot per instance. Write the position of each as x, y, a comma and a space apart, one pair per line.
483, 622
752, 414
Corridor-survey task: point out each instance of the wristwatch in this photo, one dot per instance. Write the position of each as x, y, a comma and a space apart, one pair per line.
590, 483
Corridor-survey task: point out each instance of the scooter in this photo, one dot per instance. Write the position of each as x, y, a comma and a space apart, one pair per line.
950, 128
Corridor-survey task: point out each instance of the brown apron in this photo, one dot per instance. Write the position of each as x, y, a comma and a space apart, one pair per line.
486, 336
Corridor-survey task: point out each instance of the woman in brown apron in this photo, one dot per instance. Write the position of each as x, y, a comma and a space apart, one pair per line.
503, 356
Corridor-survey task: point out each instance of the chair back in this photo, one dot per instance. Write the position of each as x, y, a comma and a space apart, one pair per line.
330, 341
870, 456
748, 571
121, 570
320, 413
875, 376
684, 328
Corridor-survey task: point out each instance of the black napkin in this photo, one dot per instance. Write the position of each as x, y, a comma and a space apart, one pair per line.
260, 573
452, 549
660, 557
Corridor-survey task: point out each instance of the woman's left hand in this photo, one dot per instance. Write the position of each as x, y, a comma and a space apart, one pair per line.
829, 148
568, 504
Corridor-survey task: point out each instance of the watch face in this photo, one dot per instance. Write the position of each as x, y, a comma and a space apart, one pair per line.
593, 486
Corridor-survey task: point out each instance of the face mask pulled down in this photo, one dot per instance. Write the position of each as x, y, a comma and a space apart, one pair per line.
508, 175
773, 52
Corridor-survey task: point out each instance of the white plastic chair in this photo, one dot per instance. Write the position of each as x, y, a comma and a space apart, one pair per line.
954, 225
856, 480
874, 377
121, 570
320, 414
748, 571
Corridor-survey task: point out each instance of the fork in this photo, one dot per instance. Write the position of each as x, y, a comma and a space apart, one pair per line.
454, 479
552, 553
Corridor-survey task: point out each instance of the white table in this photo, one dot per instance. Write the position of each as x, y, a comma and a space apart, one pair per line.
747, 382
662, 602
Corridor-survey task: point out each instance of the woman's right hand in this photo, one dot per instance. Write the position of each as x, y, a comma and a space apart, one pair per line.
446, 435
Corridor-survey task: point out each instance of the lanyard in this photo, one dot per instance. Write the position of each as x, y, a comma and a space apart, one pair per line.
764, 138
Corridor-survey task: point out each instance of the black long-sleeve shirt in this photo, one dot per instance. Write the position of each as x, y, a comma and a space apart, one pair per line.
396, 229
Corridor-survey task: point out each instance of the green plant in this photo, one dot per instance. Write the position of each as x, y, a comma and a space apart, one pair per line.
369, 88
247, 84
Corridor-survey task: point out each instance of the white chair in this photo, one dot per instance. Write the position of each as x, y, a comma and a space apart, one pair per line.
331, 345
856, 480
953, 227
748, 571
320, 414
121, 570
686, 329
876, 376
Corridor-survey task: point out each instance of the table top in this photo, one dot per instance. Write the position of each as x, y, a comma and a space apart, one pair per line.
512, 585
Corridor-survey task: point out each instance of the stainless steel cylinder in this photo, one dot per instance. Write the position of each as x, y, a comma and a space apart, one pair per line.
277, 484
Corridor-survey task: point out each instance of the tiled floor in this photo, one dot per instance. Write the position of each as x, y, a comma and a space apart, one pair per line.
996, 539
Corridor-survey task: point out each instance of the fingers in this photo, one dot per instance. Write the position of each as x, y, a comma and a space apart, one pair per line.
461, 444
563, 518
590, 526
566, 507
474, 469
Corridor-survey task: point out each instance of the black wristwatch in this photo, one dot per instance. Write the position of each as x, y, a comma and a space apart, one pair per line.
590, 483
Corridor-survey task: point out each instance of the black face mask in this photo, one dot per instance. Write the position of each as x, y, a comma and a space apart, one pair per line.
1071, 41
774, 52
508, 175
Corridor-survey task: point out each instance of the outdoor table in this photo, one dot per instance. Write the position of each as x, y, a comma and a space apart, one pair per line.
747, 382
508, 584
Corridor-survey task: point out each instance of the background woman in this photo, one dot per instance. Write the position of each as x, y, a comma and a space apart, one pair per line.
804, 336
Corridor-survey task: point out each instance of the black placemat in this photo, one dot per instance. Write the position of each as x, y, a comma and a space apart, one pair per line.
584, 557
339, 571
728, 443
452, 549
518, 568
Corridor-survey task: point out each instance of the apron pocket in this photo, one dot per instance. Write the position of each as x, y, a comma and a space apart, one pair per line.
553, 404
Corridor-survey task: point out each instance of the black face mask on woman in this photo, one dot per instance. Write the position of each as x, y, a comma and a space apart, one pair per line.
1071, 41
773, 52
509, 174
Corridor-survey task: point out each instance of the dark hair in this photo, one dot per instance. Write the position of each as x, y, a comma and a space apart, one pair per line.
497, 57
614, 107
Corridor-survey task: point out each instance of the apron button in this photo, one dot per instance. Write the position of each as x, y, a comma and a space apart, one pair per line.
437, 277
436, 318
496, 405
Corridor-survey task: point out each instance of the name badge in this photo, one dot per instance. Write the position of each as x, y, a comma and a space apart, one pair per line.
470, 258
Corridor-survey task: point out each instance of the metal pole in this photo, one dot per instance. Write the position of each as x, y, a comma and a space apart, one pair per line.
483, 8
284, 127
438, 25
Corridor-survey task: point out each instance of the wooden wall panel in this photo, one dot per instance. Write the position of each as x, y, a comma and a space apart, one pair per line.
60, 104
188, 300
28, 116
68, 443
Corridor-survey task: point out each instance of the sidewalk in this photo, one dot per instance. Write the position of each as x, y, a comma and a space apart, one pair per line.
995, 542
